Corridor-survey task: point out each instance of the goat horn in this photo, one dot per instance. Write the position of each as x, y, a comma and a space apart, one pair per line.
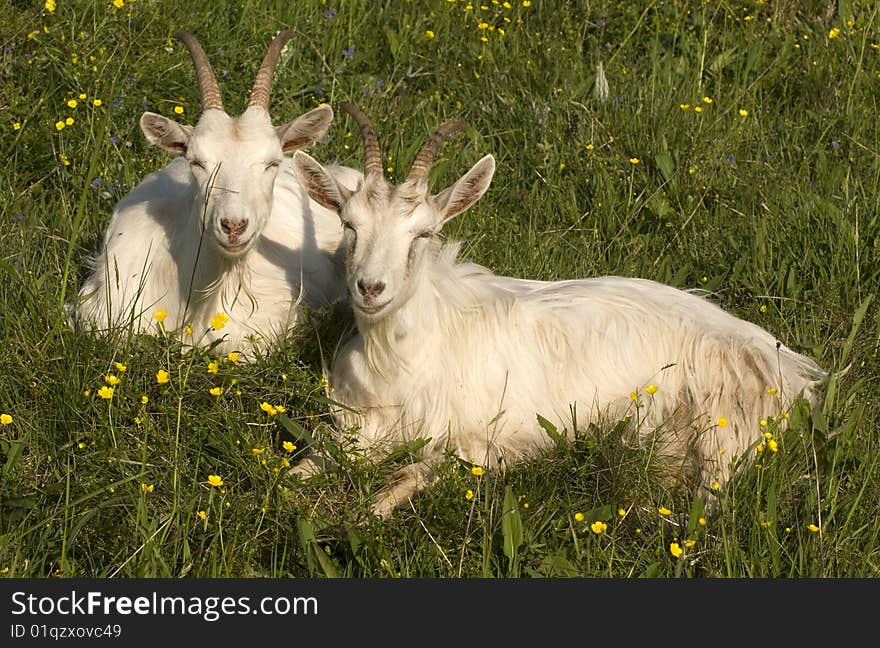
208, 87
425, 158
263, 82
372, 156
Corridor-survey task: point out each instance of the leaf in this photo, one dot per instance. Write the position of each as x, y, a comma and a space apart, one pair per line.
314, 552
296, 430
552, 432
665, 164
651, 571
511, 525
393, 42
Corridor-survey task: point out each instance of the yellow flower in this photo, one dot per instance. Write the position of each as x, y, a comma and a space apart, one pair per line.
280, 409
188, 330
50, 5
774, 447
707, 100
106, 392
477, 470
119, 4
633, 396
71, 103
698, 109
763, 422
147, 488
469, 495
722, 422
716, 485
5, 419
178, 110
429, 34
702, 521
834, 33
219, 321
675, 550
80, 445
213, 367
215, 480
689, 543
110, 379
634, 160
651, 389
69, 121
138, 420
766, 524
684, 106
663, 510
768, 436
215, 391
97, 102
527, 3
813, 528
743, 112
160, 315
772, 391
285, 462
598, 527
621, 512
578, 517
288, 446
87, 393
202, 515
760, 448
233, 357
120, 367
162, 376
16, 126
271, 411
59, 125
144, 399
257, 451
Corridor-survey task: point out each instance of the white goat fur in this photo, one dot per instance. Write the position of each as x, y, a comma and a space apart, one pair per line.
167, 246
468, 359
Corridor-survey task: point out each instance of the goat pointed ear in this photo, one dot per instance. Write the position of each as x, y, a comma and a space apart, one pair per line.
165, 133
305, 129
466, 191
321, 186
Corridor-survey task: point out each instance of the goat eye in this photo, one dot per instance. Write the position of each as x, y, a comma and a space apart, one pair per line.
272, 165
426, 234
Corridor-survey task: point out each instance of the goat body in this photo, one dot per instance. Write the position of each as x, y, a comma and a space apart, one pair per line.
451, 353
472, 358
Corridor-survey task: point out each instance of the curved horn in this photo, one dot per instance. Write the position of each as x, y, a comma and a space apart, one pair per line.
425, 158
208, 87
263, 82
372, 156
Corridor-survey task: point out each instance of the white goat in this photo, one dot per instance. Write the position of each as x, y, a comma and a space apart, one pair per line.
450, 352
227, 228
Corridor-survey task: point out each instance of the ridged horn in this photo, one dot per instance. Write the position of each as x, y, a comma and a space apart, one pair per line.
372, 155
422, 164
263, 82
208, 87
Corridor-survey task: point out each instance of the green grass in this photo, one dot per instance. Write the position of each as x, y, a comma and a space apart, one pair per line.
775, 212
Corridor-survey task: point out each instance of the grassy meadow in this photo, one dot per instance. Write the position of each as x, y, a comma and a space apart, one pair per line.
737, 150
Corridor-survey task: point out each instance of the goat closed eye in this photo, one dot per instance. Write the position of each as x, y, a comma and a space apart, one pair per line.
197, 164
426, 234
274, 164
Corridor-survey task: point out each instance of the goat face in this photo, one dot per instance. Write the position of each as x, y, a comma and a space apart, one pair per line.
388, 228
234, 160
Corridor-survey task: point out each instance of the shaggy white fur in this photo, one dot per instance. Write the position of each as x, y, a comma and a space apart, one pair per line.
450, 352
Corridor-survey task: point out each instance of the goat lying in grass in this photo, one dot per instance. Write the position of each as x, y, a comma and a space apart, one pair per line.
226, 228
450, 352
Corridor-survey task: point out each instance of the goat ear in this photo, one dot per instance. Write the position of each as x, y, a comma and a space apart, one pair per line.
165, 133
466, 191
305, 129
322, 186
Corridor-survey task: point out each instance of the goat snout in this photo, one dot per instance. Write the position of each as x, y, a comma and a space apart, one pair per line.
233, 228
370, 289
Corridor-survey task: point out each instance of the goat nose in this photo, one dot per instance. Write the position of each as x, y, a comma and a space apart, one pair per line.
233, 228
370, 290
